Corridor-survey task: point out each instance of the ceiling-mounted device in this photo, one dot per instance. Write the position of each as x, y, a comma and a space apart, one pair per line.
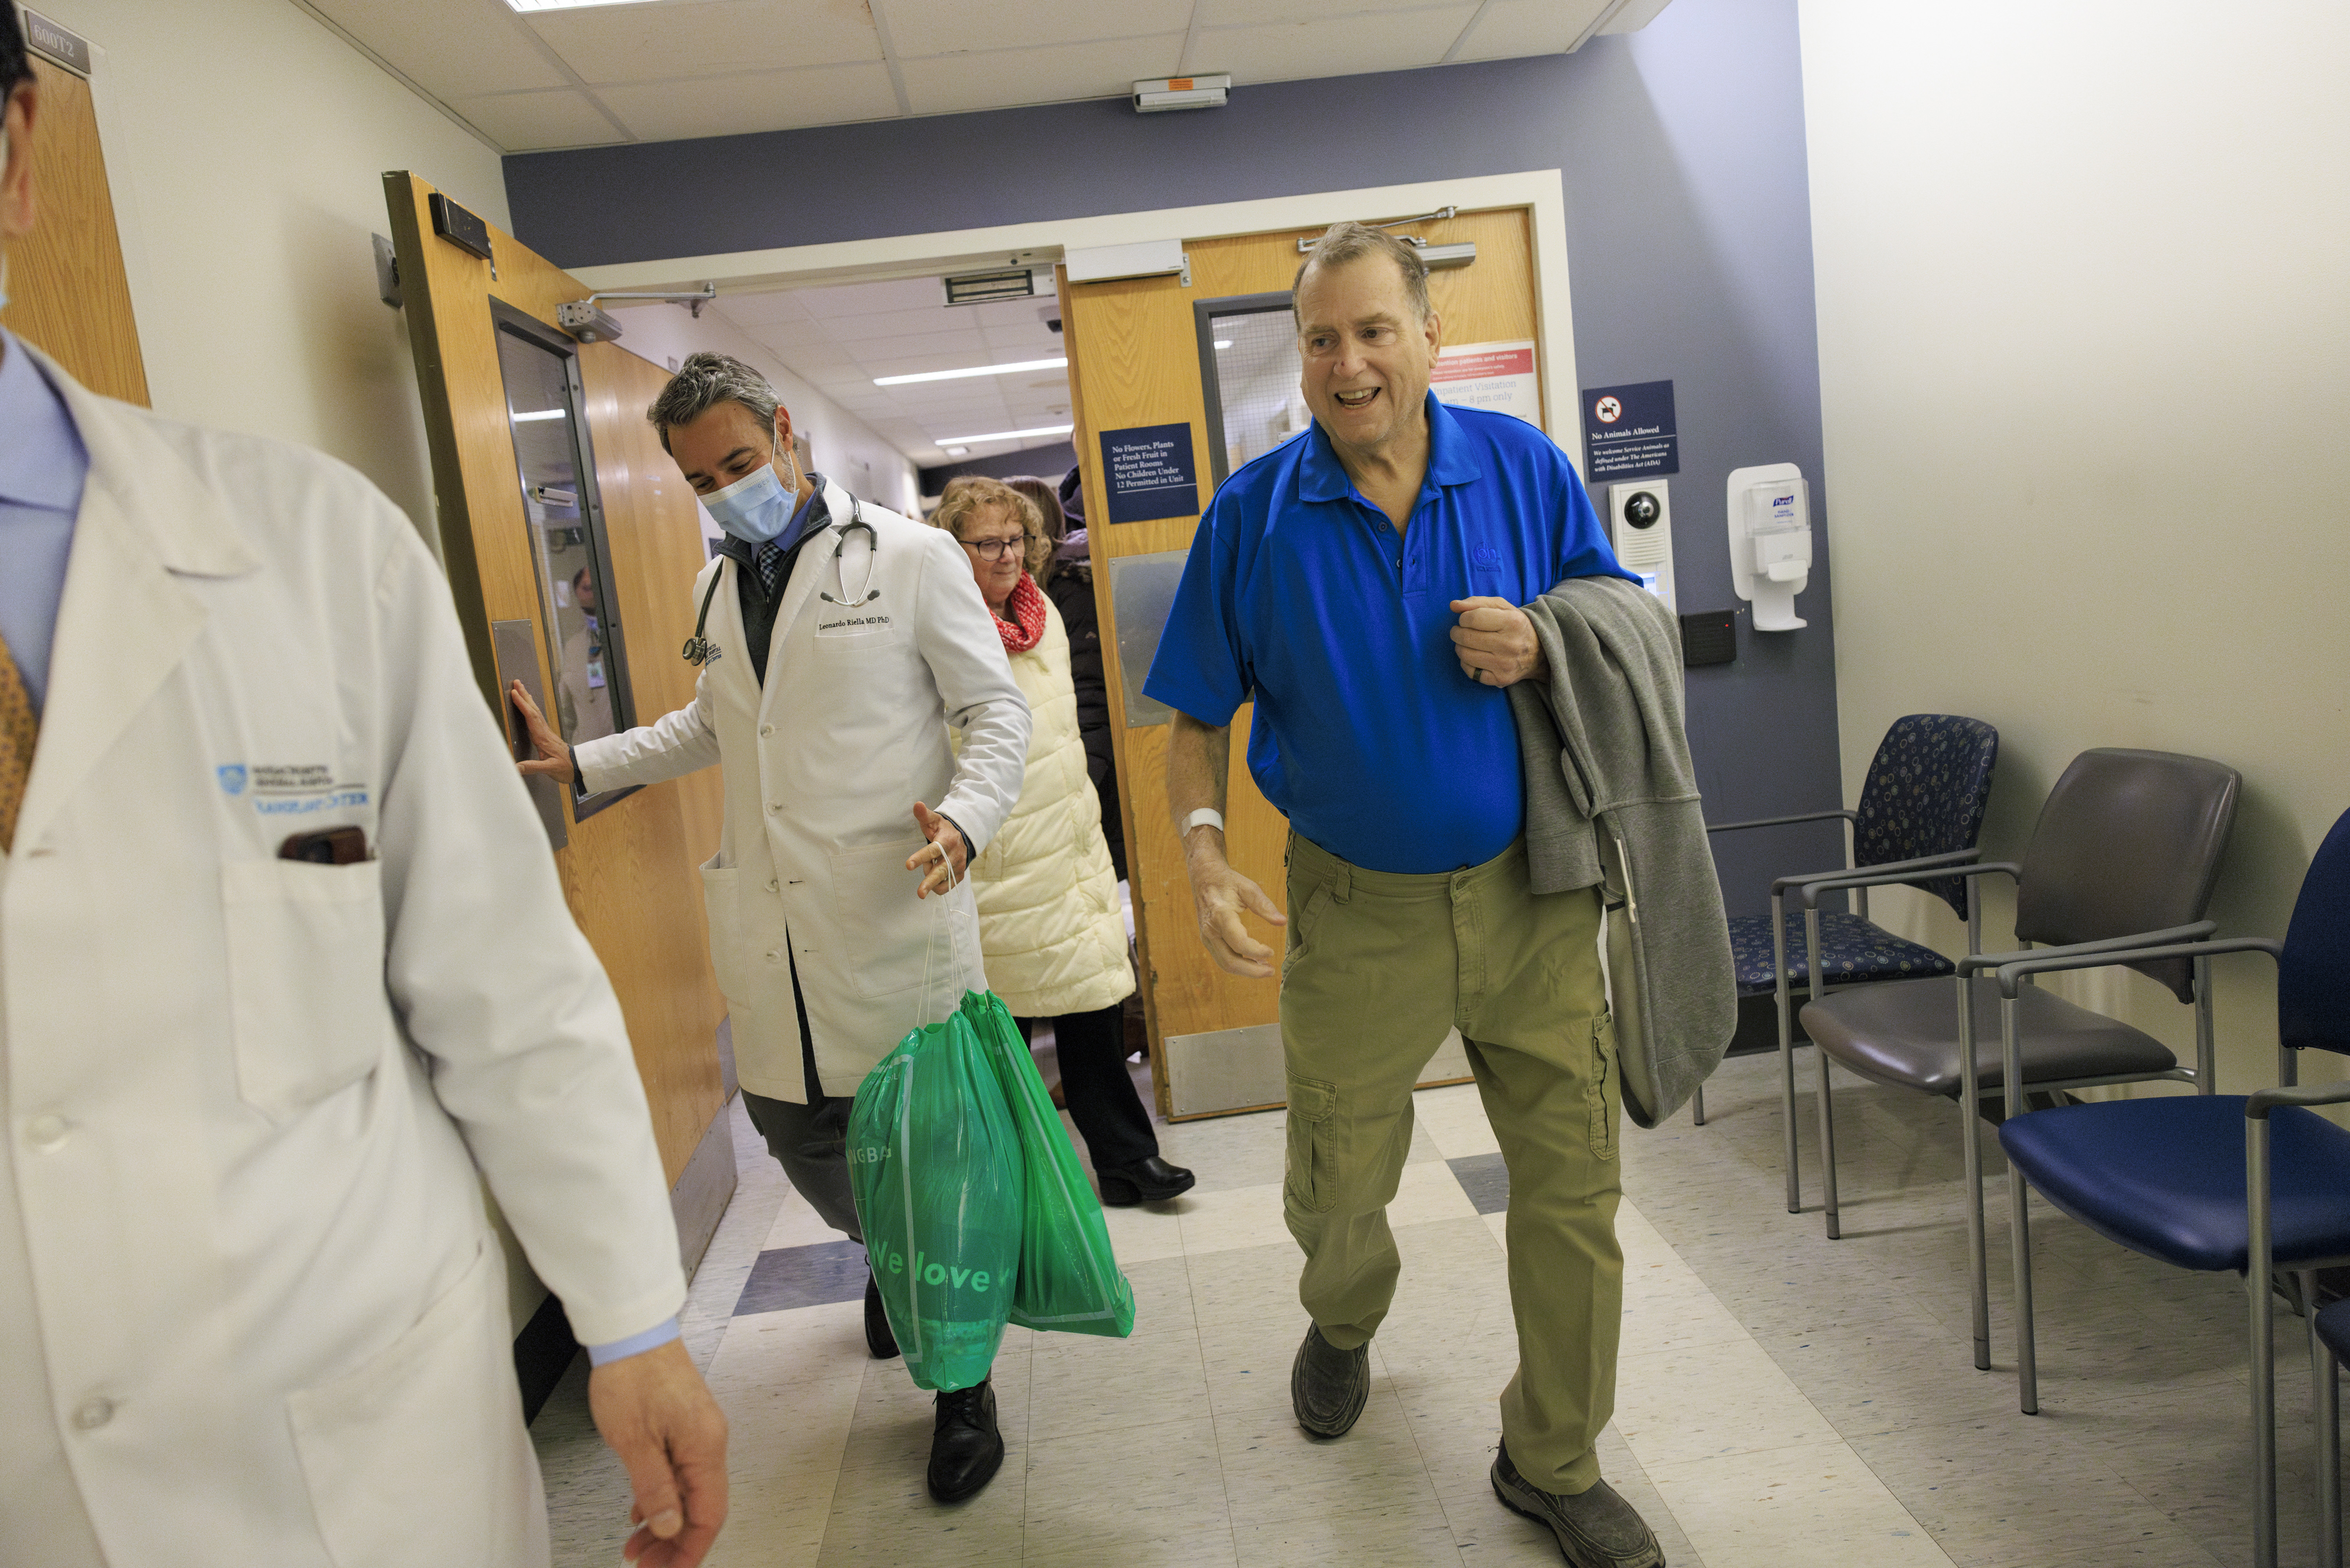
1181, 92
584, 321
1051, 316
981, 287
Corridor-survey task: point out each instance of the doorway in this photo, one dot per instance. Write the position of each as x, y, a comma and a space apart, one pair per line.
1135, 352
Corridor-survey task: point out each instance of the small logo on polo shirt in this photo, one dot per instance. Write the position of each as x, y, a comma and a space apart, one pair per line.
1485, 558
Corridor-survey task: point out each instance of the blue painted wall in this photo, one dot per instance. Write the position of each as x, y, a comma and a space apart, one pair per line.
1689, 237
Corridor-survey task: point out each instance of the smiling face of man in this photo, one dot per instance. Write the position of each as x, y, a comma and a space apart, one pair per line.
1367, 353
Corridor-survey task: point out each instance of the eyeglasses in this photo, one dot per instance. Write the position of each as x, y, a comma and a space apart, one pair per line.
993, 549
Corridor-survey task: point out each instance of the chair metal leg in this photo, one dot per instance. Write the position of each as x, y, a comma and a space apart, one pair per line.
1696, 1105
2326, 1404
1971, 1113
1786, 1049
2019, 1221
2257, 1292
1827, 1096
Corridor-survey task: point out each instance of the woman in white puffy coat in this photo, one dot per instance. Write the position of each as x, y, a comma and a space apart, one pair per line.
1050, 930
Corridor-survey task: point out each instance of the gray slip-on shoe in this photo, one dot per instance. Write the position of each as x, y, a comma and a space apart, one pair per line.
1596, 1529
1327, 1386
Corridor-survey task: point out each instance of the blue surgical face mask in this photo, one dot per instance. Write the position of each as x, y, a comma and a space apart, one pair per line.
755, 507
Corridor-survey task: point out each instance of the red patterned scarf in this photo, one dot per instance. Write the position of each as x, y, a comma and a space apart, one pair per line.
1026, 629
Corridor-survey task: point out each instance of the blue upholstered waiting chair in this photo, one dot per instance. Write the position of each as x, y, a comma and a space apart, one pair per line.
1921, 807
2252, 1183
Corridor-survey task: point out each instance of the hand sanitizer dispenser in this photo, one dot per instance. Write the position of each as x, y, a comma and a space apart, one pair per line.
1770, 512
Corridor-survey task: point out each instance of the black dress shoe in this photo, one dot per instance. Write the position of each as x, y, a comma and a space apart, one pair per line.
1595, 1529
1151, 1181
966, 1450
1327, 1386
879, 1340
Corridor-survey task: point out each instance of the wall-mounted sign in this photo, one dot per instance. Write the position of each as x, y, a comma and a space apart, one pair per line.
1496, 376
1151, 472
1629, 431
45, 37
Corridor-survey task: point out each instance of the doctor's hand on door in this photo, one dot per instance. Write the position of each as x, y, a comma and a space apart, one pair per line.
943, 859
554, 759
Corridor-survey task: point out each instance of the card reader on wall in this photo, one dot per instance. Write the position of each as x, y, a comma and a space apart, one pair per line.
1770, 512
1640, 526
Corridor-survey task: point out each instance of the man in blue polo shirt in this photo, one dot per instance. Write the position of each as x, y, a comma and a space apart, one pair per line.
1361, 584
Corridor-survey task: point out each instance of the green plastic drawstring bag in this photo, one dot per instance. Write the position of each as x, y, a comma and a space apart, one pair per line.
1070, 1281
934, 1163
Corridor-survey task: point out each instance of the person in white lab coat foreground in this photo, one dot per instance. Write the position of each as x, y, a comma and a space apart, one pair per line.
839, 642
252, 1310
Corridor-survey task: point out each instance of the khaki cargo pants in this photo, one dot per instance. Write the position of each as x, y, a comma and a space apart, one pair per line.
1378, 966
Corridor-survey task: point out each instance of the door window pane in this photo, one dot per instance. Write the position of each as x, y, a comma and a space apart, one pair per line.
543, 411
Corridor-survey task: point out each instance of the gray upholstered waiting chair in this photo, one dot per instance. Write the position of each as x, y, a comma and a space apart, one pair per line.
2123, 855
1921, 805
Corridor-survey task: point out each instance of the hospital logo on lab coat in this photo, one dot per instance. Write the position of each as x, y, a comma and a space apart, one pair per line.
232, 778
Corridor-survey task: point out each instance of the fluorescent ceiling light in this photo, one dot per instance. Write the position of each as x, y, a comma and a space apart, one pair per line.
1058, 364
1223, 342
956, 451
1006, 435
541, 414
566, 5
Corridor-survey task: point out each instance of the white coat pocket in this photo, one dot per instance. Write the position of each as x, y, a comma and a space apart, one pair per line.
726, 937
304, 977
883, 932
419, 1454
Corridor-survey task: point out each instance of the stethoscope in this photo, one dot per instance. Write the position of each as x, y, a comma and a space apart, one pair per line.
700, 650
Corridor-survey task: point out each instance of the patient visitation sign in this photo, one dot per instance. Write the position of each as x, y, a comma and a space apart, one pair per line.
1150, 473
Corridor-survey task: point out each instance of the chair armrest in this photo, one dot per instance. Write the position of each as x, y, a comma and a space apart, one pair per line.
2264, 1101
1927, 869
2097, 955
1782, 821
1889, 871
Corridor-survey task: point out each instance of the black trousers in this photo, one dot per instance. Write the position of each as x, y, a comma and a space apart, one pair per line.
1102, 1101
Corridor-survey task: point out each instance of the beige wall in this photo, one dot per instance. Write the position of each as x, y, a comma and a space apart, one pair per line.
2084, 364
245, 146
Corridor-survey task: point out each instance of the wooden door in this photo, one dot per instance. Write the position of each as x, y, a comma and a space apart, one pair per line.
68, 292
1135, 360
629, 868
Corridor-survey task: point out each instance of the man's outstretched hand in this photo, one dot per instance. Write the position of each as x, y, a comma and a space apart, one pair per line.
1495, 643
554, 758
659, 1418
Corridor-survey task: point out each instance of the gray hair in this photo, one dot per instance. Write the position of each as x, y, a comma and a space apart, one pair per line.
705, 381
1351, 242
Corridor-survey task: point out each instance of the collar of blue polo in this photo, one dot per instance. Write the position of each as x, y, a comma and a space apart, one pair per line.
1322, 477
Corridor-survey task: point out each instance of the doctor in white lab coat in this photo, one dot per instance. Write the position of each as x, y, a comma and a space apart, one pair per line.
252, 1310
844, 642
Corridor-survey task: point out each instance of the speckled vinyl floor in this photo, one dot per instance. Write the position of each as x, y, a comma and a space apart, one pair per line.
1784, 1401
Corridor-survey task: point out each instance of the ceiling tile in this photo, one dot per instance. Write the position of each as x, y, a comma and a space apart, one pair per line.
1253, 13
714, 38
955, 83
534, 121
1511, 28
879, 324
766, 100
451, 49
1389, 41
922, 27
